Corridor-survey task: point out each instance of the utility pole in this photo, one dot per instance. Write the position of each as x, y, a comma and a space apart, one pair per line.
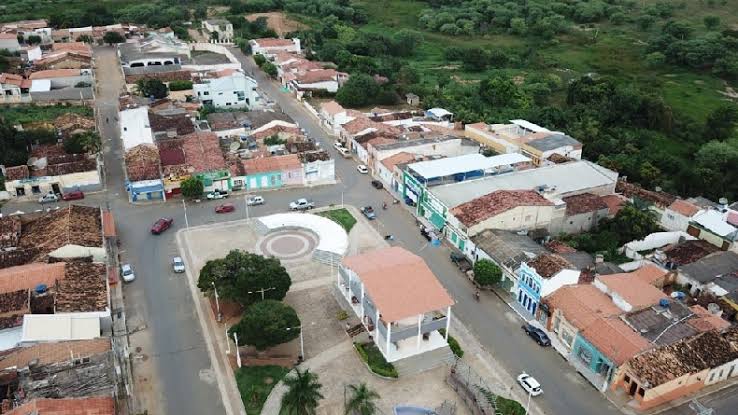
217, 302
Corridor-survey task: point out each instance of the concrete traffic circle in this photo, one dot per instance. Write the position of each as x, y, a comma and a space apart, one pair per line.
288, 245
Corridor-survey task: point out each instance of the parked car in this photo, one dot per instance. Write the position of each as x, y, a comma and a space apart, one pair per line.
73, 195
362, 169
48, 198
161, 225
338, 146
377, 184
254, 200
225, 208
344, 152
217, 194
461, 262
301, 204
537, 334
427, 233
530, 385
126, 272
368, 211
178, 265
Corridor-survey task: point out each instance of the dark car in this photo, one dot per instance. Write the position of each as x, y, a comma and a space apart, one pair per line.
377, 184
461, 261
161, 225
427, 233
73, 195
225, 208
537, 334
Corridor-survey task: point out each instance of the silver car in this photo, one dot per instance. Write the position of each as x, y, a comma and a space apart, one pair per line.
178, 265
127, 273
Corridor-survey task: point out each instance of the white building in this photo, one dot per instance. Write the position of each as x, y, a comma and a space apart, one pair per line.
268, 46
222, 27
676, 216
328, 80
232, 90
135, 128
9, 41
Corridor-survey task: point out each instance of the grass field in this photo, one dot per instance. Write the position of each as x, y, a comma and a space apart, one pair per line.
341, 216
38, 114
255, 383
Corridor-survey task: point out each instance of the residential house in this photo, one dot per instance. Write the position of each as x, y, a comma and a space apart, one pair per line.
143, 163
399, 301
412, 99
174, 167
583, 212
170, 123
541, 277
134, 127
219, 29
677, 215
229, 124
64, 78
14, 88
390, 169
328, 80
439, 115
661, 375
333, 115
643, 248
203, 154
712, 226
704, 274
632, 290
655, 200
269, 46
683, 253
272, 172
9, 42
318, 167
231, 90
506, 249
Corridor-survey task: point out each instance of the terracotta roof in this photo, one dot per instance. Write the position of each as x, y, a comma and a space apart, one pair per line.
277, 129
73, 225
54, 73
98, 405
631, 287
270, 42
8, 36
17, 172
83, 289
108, 224
614, 203
684, 208
583, 203
547, 265
615, 339
399, 283
72, 46
648, 273
14, 302
48, 353
487, 206
10, 230
30, 276
399, 158
558, 247
332, 107
181, 123
142, 163
171, 152
582, 305
273, 163
320, 75
688, 252
631, 190
202, 152
706, 321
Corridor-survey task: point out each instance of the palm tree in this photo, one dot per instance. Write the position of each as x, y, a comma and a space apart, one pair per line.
303, 393
362, 401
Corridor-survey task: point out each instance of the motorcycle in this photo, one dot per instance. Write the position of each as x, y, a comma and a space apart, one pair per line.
389, 237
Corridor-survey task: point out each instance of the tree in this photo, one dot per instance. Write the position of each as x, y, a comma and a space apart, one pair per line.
266, 324
361, 401
631, 224
259, 60
84, 38
358, 91
721, 122
88, 142
33, 39
711, 22
241, 276
501, 92
201, 12
192, 188
303, 393
405, 41
269, 69
113, 37
474, 59
486, 273
151, 87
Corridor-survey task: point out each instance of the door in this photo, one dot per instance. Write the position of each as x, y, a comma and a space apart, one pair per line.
55, 188
633, 388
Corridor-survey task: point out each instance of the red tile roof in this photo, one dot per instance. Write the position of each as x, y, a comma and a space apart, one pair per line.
684, 208
54, 73
399, 283
320, 75
614, 203
99, 405
47, 353
631, 287
582, 305
649, 273
171, 152
273, 163
547, 265
332, 107
399, 158
271, 42
108, 224
202, 152
615, 339
72, 46
583, 203
30, 276
17, 172
706, 321
487, 206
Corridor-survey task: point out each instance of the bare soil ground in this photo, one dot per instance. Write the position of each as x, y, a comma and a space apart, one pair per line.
278, 21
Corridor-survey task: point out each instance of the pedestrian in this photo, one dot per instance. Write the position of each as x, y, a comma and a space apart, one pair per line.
107, 120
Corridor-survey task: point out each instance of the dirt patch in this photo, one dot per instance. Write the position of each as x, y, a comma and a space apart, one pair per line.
729, 92
278, 22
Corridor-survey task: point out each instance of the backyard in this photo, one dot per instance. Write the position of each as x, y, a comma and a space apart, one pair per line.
35, 114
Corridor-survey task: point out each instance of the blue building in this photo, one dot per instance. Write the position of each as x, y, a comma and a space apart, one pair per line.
146, 190
542, 276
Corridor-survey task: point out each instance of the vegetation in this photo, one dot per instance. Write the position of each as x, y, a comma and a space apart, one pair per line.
509, 407
303, 393
113, 37
28, 114
274, 140
245, 278
15, 146
453, 344
148, 87
487, 273
267, 323
88, 142
341, 216
377, 363
180, 85
192, 188
255, 383
362, 400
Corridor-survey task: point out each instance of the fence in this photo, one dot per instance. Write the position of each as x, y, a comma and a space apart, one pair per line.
472, 389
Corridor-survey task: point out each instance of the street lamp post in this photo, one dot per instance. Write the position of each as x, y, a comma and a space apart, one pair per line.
262, 291
217, 302
302, 342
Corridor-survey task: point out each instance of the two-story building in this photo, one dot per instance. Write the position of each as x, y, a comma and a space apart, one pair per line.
219, 29
228, 89
542, 276
270, 46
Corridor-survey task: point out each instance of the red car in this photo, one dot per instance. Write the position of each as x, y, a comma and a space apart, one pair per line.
73, 195
161, 225
225, 208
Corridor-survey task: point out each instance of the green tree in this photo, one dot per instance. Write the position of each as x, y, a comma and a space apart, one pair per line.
151, 87
405, 41
88, 142
486, 273
721, 122
200, 12
266, 324
85, 38
518, 26
113, 37
711, 22
631, 224
358, 91
362, 400
33, 39
242, 276
408, 75
303, 393
192, 188
474, 59
501, 92
259, 60
269, 69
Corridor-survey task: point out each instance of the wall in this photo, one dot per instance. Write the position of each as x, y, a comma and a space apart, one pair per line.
674, 221
663, 393
521, 217
234, 132
582, 222
486, 138
69, 81
564, 277
63, 95
320, 172
708, 236
264, 180
85, 181
448, 148
565, 331
88, 180
330, 86
598, 363
10, 44
721, 373
654, 241
360, 151
293, 177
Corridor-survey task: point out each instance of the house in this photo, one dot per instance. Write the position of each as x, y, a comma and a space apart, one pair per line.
328, 80
232, 90
9, 42
651, 243
270, 46
142, 163
428, 146
332, 115
439, 115
632, 290
683, 253
170, 123
583, 212
64, 78
663, 374
272, 172
703, 274
412, 99
390, 170
229, 124
14, 88
219, 29
712, 226
677, 215
174, 168
399, 301
542, 276
203, 155
540, 146
134, 127
506, 249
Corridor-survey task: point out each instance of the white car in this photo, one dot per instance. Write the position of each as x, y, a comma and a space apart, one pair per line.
217, 194
337, 145
362, 169
344, 152
301, 204
48, 198
178, 265
127, 273
530, 384
254, 200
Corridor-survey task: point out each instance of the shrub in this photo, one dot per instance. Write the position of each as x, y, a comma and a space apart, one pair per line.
180, 85
377, 363
192, 188
453, 344
486, 273
267, 323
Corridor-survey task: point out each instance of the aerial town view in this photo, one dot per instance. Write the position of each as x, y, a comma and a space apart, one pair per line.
369, 207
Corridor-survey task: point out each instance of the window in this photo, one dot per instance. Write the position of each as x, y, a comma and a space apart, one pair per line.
670, 216
35, 189
626, 379
712, 376
206, 93
641, 392
528, 218
125, 128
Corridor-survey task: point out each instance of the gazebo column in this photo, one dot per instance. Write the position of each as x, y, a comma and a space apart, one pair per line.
448, 320
389, 334
420, 334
